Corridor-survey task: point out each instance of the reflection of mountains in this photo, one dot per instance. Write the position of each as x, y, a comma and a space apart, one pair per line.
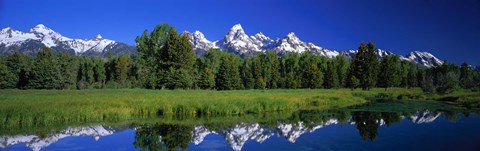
236, 135
239, 134
36, 143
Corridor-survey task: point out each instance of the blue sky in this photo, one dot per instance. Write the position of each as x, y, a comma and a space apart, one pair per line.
450, 29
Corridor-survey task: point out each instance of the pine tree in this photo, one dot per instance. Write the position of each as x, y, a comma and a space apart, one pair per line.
121, 69
19, 64
68, 68
228, 76
8, 79
370, 67
292, 70
403, 73
365, 65
331, 76
388, 75
207, 78
312, 77
412, 75
465, 76
45, 73
246, 73
257, 73
274, 65
343, 64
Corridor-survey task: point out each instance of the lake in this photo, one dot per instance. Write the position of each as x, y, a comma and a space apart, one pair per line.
375, 126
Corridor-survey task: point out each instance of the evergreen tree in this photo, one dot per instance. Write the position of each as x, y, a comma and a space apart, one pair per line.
150, 48
8, 79
68, 68
228, 76
121, 69
412, 75
370, 68
342, 64
312, 77
246, 73
19, 65
465, 76
388, 75
273, 65
331, 77
207, 78
98, 72
403, 73
257, 73
365, 65
45, 73
292, 68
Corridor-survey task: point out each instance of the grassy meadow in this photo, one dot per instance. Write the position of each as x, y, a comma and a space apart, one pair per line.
31, 108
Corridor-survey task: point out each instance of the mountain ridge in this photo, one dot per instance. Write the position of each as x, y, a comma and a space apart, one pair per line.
237, 41
41, 36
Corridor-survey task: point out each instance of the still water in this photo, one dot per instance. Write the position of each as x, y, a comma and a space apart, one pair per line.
359, 128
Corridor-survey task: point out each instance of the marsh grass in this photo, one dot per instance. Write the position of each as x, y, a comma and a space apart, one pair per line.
43, 108
26, 108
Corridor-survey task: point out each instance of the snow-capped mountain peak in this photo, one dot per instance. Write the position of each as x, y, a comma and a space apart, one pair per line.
292, 36
41, 36
236, 33
424, 58
237, 27
40, 28
98, 37
237, 41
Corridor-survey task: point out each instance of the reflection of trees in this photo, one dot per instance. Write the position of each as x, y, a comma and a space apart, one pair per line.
368, 122
163, 137
450, 115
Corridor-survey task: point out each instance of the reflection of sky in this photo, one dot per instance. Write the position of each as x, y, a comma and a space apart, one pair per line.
440, 134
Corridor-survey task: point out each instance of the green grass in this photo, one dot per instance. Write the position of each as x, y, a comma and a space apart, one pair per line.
49, 107
34, 108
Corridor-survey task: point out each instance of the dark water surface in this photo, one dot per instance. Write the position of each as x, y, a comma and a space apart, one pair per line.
361, 128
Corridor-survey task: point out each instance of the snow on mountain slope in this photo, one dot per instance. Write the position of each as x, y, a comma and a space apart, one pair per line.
36, 143
237, 41
14, 40
423, 58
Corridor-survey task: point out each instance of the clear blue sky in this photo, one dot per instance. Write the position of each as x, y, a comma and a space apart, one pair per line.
450, 29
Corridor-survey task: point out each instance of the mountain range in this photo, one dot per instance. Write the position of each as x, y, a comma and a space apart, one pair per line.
236, 41
41, 36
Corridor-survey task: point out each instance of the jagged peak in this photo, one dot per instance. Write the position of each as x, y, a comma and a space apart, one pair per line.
7, 29
98, 37
40, 28
291, 35
236, 27
198, 34
260, 36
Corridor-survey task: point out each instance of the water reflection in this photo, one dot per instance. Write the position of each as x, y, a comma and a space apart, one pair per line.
155, 137
170, 136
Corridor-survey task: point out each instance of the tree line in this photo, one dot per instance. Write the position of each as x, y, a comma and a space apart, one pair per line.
166, 60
